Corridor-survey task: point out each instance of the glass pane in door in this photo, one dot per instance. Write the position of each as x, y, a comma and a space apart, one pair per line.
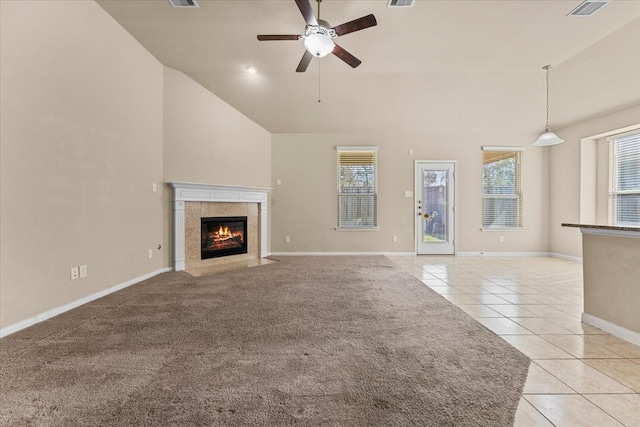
434, 206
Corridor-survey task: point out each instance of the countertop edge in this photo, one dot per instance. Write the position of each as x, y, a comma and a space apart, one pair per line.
602, 227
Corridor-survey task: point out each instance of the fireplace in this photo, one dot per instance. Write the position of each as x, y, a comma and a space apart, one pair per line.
193, 201
223, 236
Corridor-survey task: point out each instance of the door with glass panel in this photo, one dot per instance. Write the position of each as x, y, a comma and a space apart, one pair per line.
435, 207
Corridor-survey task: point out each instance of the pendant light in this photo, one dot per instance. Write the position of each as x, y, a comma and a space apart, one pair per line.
548, 137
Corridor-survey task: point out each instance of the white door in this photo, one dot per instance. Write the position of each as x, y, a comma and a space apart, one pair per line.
435, 207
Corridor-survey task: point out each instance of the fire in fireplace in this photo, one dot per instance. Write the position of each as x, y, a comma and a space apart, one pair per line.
223, 236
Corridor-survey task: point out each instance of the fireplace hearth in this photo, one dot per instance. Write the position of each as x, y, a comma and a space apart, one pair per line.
223, 236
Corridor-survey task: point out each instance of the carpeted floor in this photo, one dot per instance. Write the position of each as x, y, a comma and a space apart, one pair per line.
317, 341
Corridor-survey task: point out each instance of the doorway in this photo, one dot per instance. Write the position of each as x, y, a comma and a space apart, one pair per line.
435, 195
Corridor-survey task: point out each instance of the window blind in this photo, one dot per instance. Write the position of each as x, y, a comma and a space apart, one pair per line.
624, 179
501, 187
357, 187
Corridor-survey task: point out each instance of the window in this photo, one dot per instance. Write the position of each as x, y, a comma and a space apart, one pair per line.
357, 187
624, 179
501, 188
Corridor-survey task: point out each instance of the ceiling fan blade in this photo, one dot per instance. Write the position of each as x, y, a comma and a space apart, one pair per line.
307, 12
356, 25
346, 56
271, 37
304, 62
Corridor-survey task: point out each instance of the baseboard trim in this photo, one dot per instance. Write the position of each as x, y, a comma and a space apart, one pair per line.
566, 257
616, 330
505, 254
77, 303
341, 253
465, 254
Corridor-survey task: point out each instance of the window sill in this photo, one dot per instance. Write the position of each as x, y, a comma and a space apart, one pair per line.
357, 228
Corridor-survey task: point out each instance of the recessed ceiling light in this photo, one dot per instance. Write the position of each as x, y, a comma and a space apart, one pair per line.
251, 69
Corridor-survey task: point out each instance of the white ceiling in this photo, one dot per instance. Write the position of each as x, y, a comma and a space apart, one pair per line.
434, 64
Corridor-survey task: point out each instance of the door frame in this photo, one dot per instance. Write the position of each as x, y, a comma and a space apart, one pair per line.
417, 192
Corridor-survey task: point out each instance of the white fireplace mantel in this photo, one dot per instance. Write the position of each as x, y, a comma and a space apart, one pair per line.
195, 192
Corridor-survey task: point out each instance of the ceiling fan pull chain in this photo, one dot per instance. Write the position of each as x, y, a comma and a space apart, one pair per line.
319, 99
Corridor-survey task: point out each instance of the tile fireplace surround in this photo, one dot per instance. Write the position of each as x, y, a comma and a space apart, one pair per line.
214, 198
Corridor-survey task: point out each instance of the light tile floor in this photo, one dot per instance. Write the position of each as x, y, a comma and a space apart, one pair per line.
579, 375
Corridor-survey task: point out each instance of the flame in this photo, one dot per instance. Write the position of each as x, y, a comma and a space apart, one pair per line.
224, 232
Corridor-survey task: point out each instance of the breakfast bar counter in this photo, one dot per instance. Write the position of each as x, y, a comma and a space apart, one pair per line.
611, 267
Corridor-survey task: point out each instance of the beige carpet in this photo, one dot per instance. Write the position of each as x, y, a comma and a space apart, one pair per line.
316, 341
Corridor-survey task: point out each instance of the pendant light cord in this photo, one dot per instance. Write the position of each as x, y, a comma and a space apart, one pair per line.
547, 68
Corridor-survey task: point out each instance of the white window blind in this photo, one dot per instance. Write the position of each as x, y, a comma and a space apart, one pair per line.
501, 188
624, 179
357, 187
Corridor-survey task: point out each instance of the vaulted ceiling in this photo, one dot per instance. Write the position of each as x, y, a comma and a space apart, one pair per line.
436, 64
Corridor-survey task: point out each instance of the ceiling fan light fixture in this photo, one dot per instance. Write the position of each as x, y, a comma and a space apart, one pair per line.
319, 34
319, 45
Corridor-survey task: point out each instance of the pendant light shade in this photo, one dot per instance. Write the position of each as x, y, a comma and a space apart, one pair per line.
548, 137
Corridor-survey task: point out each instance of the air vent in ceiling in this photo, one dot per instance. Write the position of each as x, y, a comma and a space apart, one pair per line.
588, 7
401, 3
192, 4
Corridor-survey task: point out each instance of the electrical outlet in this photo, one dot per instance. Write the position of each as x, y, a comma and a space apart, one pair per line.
501, 239
150, 253
394, 239
74, 273
287, 239
154, 187
83, 271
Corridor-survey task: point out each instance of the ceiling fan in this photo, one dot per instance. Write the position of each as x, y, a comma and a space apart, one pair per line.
319, 35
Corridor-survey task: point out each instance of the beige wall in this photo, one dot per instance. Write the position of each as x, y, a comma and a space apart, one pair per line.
81, 145
207, 141
606, 73
604, 77
611, 279
304, 205
90, 121
565, 173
